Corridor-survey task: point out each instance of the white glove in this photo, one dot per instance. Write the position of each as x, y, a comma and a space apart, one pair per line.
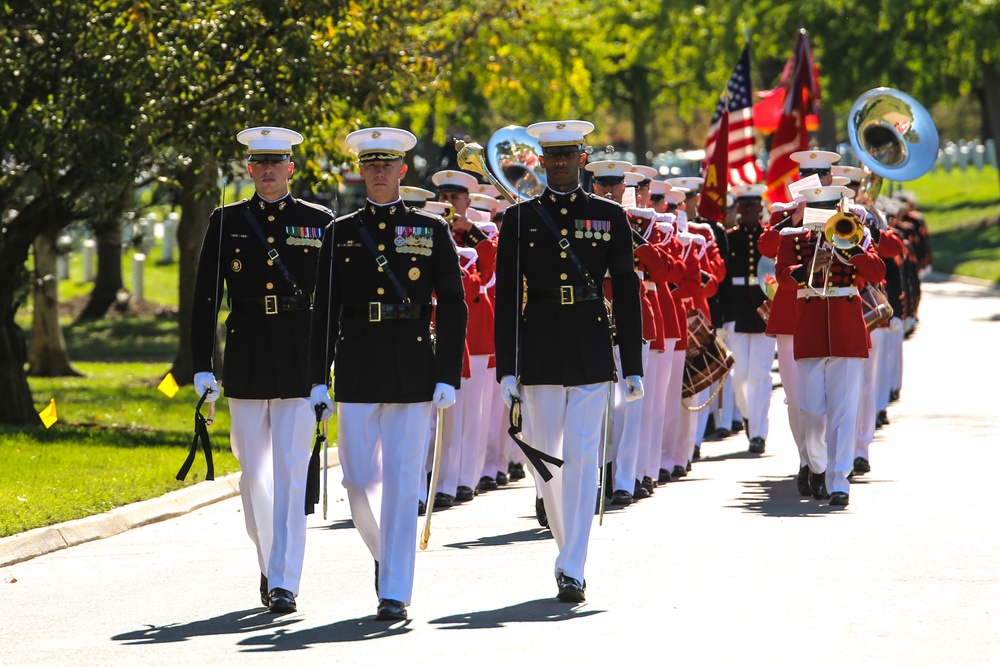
320, 395
508, 389
444, 396
206, 381
633, 388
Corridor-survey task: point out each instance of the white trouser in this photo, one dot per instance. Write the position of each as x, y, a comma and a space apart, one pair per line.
626, 429
895, 349
831, 392
866, 405
475, 419
382, 447
788, 369
497, 441
880, 348
651, 418
567, 422
699, 419
272, 441
451, 445
727, 412
676, 423
753, 354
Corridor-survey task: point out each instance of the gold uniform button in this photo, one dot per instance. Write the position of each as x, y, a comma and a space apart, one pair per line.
270, 239
380, 291
381, 247
305, 250
420, 339
381, 225
270, 218
237, 250
562, 276
563, 255
347, 259
565, 232
414, 258
270, 286
563, 211
531, 245
381, 270
270, 262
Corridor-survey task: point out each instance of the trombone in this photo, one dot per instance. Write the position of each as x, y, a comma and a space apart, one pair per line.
843, 231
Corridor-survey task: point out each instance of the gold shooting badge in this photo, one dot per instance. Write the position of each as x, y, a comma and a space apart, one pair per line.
414, 273
237, 266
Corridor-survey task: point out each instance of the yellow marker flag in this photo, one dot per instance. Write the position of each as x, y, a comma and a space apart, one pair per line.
169, 386
48, 415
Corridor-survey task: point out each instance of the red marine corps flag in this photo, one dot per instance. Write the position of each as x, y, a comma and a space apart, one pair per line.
739, 145
801, 99
712, 203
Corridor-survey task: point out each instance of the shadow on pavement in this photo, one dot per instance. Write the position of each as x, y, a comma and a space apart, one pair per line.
532, 535
351, 630
778, 496
535, 611
236, 622
340, 525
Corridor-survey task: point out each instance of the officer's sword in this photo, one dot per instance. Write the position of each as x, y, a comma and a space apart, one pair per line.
435, 471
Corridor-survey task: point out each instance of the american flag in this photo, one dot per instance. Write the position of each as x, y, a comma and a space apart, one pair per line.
743, 168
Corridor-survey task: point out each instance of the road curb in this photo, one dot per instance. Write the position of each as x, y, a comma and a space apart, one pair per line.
30, 544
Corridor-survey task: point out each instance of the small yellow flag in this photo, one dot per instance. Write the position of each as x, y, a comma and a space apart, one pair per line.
169, 386
48, 415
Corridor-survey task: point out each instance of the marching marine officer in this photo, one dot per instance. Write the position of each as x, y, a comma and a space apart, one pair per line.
559, 345
378, 271
264, 251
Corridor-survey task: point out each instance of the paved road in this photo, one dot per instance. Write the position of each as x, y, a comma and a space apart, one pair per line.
729, 566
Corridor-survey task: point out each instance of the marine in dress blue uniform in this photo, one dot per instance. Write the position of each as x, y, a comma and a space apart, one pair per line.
264, 370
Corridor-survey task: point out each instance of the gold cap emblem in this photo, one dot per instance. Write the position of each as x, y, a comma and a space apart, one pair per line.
376, 135
265, 132
812, 155
560, 126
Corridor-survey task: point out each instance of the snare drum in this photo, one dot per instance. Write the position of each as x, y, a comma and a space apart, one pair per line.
876, 307
707, 359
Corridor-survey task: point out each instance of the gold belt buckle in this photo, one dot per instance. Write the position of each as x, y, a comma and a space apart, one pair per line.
271, 304
375, 311
566, 295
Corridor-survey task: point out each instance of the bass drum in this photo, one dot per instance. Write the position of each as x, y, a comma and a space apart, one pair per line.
707, 359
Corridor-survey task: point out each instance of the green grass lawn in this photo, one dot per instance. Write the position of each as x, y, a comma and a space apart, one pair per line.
962, 209
118, 440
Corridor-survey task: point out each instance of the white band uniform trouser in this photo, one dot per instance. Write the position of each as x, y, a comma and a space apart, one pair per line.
568, 422
478, 391
451, 446
676, 424
753, 354
382, 448
272, 440
830, 391
626, 427
788, 370
654, 402
895, 350
882, 340
869, 390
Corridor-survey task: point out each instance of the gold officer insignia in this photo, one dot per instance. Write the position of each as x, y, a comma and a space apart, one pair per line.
237, 266
376, 135
414, 273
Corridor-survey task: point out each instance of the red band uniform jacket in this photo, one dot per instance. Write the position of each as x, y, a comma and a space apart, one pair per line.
393, 360
565, 344
266, 354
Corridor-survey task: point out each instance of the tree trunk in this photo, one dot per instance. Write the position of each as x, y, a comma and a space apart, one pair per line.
109, 274
16, 406
991, 102
48, 356
199, 194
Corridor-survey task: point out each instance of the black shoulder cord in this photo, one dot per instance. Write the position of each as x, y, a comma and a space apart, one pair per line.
200, 435
272, 254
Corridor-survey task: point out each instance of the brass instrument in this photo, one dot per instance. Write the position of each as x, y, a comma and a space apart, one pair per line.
470, 158
515, 157
893, 136
843, 231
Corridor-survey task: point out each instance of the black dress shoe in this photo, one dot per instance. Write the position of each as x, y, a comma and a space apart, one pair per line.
647, 483
486, 484
721, 434
688, 468
882, 419
756, 445
639, 492
515, 471
839, 499
421, 508
802, 481
664, 476
570, 590
735, 427
697, 452
893, 395
621, 498
817, 484
502, 479
861, 466
540, 515
464, 494
679, 471
265, 599
282, 601
443, 501
391, 610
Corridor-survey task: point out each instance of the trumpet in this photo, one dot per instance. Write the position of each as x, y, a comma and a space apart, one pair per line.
843, 231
